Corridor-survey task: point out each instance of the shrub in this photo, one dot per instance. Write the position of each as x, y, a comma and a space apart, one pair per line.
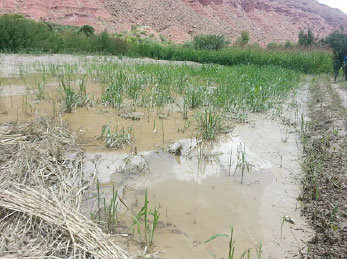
21, 34
209, 42
243, 39
87, 30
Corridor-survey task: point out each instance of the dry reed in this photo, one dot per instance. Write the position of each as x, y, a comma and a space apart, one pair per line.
41, 192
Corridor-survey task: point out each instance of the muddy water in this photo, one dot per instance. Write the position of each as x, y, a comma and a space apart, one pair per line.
201, 198
198, 197
154, 127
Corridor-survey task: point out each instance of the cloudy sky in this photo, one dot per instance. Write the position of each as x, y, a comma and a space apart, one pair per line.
340, 4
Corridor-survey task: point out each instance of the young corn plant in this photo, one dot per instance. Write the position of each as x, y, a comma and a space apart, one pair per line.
231, 246
241, 162
40, 90
209, 124
231, 243
116, 139
145, 229
71, 97
106, 214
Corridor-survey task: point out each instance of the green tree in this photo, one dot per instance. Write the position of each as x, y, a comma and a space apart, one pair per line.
337, 41
88, 30
209, 42
306, 39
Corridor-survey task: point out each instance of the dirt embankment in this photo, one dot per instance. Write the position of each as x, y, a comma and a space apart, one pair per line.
325, 163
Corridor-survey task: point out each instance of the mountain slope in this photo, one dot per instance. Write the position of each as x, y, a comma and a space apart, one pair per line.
266, 20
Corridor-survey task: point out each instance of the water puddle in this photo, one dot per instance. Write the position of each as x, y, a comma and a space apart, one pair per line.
202, 197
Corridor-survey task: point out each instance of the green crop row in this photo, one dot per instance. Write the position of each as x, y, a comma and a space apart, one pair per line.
19, 34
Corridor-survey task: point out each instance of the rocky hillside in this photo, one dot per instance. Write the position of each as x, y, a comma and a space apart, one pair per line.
266, 20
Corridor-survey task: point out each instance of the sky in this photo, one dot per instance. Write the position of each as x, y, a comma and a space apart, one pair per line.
340, 4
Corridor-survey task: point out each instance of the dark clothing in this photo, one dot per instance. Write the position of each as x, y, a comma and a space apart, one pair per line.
345, 71
345, 60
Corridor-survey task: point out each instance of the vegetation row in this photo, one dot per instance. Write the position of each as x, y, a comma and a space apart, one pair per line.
19, 34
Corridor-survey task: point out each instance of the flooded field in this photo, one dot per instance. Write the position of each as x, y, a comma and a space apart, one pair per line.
210, 147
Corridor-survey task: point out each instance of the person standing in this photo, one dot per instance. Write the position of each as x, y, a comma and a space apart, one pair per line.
345, 63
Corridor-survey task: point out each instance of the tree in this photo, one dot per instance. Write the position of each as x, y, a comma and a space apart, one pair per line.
306, 39
337, 41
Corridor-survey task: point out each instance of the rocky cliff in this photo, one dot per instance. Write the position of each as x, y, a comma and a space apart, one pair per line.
266, 20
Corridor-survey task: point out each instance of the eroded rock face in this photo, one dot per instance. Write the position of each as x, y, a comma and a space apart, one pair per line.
178, 20
207, 2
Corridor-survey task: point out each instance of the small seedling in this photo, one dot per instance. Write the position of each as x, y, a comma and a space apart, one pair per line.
242, 162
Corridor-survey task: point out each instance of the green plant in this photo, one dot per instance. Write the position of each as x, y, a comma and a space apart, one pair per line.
231, 242
242, 162
116, 139
209, 42
88, 30
337, 42
107, 215
259, 250
231, 245
306, 39
71, 97
209, 124
243, 39
148, 229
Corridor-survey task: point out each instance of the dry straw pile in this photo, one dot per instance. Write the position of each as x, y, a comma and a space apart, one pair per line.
41, 191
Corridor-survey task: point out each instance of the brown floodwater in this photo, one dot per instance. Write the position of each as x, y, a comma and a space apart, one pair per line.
201, 193
200, 198
152, 127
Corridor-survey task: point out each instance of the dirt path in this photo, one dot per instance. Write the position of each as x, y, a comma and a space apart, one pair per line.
325, 163
342, 93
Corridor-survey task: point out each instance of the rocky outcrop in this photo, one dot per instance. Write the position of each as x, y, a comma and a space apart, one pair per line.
178, 20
